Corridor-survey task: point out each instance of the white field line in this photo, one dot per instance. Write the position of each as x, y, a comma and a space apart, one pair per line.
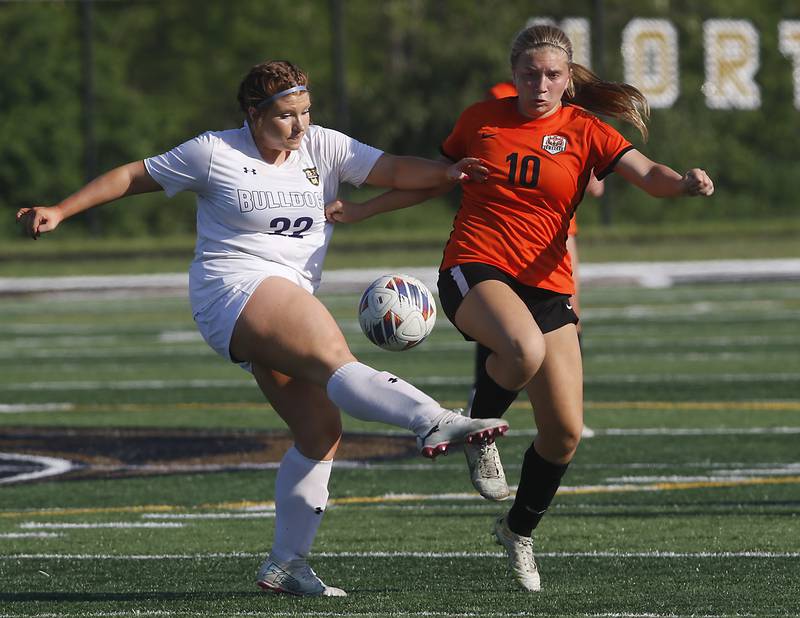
644, 431
52, 354
400, 614
421, 614
745, 341
726, 468
30, 535
723, 476
713, 431
84, 385
645, 274
63, 341
661, 555
89, 344
652, 431
17, 408
256, 515
37, 525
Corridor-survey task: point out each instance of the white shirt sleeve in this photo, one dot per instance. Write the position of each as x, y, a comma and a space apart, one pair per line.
185, 167
352, 159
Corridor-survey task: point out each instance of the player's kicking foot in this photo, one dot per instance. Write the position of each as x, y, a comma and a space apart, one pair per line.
294, 577
520, 555
486, 470
452, 428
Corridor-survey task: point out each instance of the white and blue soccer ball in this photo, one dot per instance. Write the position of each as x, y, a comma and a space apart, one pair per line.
397, 312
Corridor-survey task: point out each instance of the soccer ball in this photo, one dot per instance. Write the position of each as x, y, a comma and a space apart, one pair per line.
396, 312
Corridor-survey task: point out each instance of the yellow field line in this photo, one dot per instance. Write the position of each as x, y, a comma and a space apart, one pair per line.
145, 508
598, 489
592, 489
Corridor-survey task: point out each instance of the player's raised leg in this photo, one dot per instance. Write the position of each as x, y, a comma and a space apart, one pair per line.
285, 327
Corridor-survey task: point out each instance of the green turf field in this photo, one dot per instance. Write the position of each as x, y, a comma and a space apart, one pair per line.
684, 503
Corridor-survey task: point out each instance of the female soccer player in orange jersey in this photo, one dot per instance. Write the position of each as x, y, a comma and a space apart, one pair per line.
506, 277
489, 478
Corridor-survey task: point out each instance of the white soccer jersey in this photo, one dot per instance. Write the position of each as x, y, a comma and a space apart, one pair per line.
249, 211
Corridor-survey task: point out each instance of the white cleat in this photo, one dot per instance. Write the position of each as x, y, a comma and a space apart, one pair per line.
486, 470
294, 577
452, 428
520, 555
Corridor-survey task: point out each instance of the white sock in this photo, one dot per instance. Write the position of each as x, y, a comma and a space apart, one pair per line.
301, 493
369, 395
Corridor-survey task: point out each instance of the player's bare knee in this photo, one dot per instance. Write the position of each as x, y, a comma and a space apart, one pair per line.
320, 446
329, 356
521, 362
558, 445
569, 444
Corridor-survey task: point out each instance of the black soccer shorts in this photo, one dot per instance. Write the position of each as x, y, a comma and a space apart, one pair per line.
549, 309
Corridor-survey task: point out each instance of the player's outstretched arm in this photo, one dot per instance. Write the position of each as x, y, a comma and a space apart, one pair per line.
660, 180
418, 173
342, 211
128, 179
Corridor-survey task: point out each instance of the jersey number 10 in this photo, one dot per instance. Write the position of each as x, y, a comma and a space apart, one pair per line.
528, 170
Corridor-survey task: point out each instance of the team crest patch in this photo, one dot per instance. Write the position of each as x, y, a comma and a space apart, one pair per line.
313, 175
554, 143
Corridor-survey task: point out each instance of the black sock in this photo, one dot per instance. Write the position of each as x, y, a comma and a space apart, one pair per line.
537, 486
489, 399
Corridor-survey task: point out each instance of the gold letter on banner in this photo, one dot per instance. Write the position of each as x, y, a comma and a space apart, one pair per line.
732, 59
789, 42
650, 59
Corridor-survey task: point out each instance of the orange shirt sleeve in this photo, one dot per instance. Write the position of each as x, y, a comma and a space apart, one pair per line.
455, 146
607, 145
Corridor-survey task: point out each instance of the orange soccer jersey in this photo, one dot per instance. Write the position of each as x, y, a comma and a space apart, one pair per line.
518, 219
502, 90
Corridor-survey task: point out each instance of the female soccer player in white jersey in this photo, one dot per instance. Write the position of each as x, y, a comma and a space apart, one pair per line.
261, 239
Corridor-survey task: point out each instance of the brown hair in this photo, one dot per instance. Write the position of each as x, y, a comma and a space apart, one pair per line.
586, 89
267, 79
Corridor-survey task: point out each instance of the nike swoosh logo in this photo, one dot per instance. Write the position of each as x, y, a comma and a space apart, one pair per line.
534, 511
569, 306
487, 135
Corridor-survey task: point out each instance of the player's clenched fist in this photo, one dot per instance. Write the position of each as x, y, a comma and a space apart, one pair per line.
39, 219
697, 182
